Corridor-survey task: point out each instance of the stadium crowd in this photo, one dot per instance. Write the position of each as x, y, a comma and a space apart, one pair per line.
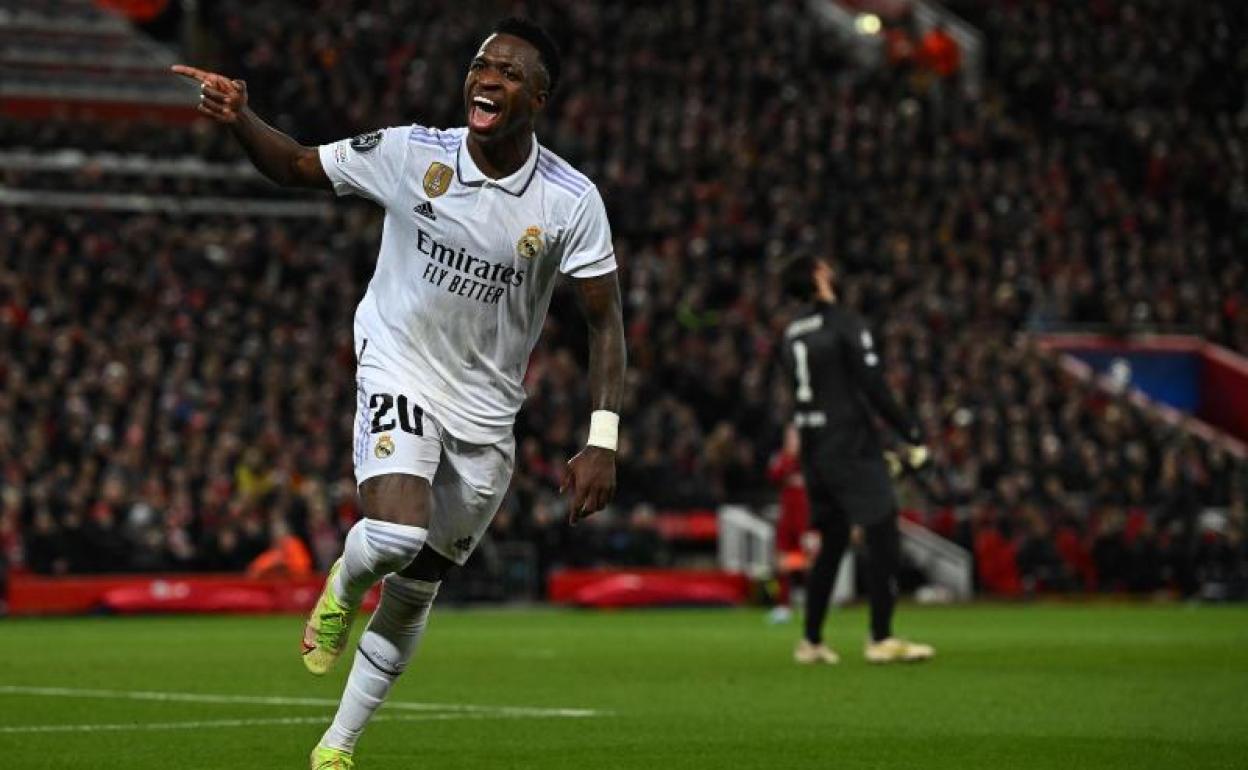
177, 389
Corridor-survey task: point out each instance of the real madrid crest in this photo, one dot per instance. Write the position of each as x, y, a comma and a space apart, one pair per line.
438, 179
530, 244
385, 446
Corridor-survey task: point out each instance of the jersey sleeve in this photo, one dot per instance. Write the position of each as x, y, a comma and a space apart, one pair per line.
589, 251
864, 364
369, 165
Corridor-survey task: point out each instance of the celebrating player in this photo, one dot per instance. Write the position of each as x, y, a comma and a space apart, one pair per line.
835, 371
479, 223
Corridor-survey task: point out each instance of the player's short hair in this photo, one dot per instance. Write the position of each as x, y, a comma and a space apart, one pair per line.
534, 35
797, 276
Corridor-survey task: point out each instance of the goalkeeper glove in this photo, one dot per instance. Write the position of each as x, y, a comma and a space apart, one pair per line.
911, 458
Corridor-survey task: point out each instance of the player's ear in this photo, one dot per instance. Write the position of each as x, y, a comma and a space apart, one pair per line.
541, 93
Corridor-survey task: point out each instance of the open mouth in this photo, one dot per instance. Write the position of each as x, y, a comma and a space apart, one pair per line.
483, 113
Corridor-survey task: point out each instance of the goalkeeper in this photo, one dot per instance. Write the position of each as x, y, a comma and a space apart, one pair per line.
834, 366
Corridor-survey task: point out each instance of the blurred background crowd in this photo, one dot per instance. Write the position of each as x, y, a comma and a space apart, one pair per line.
176, 389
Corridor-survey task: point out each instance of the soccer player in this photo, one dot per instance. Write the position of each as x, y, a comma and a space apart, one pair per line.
835, 370
785, 471
479, 223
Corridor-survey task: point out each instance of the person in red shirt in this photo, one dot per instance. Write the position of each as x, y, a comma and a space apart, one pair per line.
785, 471
939, 52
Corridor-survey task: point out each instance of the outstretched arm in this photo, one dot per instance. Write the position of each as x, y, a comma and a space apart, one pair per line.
591, 474
277, 156
865, 363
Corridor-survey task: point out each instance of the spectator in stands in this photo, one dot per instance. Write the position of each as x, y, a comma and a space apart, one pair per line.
1039, 563
286, 555
223, 552
41, 546
900, 42
1109, 550
939, 54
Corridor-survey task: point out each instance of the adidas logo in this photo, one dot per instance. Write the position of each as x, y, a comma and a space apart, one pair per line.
426, 210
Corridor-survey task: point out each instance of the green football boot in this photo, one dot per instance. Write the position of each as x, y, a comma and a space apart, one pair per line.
327, 630
325, 758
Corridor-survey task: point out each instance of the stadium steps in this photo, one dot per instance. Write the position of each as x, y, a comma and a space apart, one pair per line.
71, 179
71, 52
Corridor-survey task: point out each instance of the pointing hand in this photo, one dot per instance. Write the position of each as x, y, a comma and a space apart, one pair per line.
220, 98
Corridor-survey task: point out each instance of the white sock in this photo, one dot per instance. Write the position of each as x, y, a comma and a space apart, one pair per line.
373, 550
385, 648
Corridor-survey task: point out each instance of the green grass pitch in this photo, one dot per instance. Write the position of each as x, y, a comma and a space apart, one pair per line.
1012, 687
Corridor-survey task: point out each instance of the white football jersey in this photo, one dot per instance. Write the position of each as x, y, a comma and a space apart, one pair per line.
466, 267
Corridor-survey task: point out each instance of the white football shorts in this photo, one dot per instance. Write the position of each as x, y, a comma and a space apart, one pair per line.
393, 434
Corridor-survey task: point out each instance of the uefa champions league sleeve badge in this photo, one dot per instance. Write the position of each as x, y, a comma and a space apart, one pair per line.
366, 142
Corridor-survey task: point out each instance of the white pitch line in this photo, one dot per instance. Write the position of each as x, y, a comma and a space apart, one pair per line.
219, 723
280, 700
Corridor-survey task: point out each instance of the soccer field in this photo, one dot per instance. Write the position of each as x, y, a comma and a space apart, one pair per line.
1013, 686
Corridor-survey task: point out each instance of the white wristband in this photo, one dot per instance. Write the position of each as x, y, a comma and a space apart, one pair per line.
604, 429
